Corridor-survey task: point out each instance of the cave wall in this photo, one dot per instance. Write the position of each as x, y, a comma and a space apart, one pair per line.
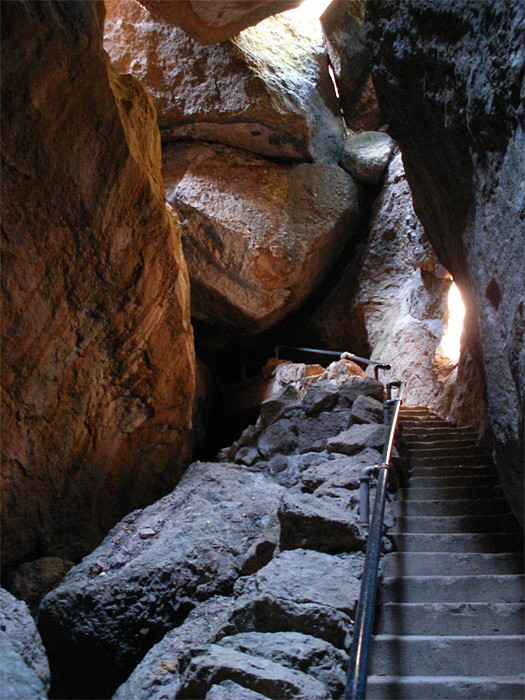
98, 364
449, 79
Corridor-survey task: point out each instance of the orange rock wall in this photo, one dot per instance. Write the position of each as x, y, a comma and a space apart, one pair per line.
98, 364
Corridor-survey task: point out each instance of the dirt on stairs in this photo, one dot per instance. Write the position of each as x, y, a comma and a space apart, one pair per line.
450, 621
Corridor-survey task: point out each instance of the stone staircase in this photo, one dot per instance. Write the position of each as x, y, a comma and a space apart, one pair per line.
450, 621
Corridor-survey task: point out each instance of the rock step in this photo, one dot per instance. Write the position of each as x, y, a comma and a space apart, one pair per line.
446, 656
446, 442
454, 492
463, 457
489, 543
450, 564
423, 424
455, 523
453, 470
451, 619
485, 506
452, 589
444, 688
470, 480
410, 433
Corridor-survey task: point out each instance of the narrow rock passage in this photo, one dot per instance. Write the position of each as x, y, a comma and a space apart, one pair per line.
450, 621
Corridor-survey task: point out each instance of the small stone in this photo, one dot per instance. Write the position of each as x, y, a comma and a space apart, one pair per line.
146, 532
247, 456
366, 155
277, 464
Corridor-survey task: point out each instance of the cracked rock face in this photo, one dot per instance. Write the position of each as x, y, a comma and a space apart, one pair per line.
98, 362
267, 91
458, 92
258, 236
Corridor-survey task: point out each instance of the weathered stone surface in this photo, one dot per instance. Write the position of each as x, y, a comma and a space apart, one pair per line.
357, 437
295, 574
341, 472
18, 627
258, 236
254, 672
325, 524
280, 437
286, 399
34, 579
365, 409
319, 397
214, 21
302, 652
228, 690
17, 680
315, 432
348, 393
469, 198
268, 91
122, 598
97, 359
366, 155
343, 24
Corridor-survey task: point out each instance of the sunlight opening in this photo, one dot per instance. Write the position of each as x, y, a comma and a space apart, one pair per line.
310, 10
450, 343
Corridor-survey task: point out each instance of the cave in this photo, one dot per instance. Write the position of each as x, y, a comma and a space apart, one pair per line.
221, 220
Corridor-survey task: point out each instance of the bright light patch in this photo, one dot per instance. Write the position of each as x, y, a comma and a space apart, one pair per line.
450, 343
310, 10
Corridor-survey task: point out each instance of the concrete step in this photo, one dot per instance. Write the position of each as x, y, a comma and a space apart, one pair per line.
454, 457
453, 470
489, 543
440, 656
452, 589
451, 619
435, 433
450, 564
440, 443
469, 479
454, 523
423, 424
444, 688
452, 492
446, 450
486, 506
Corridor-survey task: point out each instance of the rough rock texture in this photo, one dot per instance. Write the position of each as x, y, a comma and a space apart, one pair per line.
213, 21
97, 346
366, 155
17, 680
391, 305
235, 549
343, 24
18, 627
268, 91
450, 81
150, 571
34, 579
258, 236
228, 690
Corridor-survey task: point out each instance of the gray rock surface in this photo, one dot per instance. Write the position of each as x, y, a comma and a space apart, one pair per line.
254, 672
17, 680
365, 409
469, 198
259, 236
121, 599
340, 472
357, 437
268, 91
228, 690
18, 627
366, 155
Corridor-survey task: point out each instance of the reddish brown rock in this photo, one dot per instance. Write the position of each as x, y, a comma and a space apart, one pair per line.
213, 21
258, 236
97, 361
268, 91
344, 27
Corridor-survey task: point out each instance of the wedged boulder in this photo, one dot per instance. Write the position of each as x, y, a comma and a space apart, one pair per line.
341, 472
98, 365
214, 21
149, 572
357, 437
268, 91
343, 24
366, 155
19, 630
258, 236
302, 652
217, 663
467, 198
326, 524
17, 680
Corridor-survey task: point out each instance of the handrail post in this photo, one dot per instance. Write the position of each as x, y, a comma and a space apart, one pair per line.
364, 494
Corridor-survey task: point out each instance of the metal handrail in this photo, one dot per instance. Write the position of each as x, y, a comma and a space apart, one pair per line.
336, 353
364, 623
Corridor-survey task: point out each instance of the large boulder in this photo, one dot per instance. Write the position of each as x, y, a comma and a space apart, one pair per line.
97, 347
343, 25
213, 21
258, 236
267, 91
149, 572
449, 77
